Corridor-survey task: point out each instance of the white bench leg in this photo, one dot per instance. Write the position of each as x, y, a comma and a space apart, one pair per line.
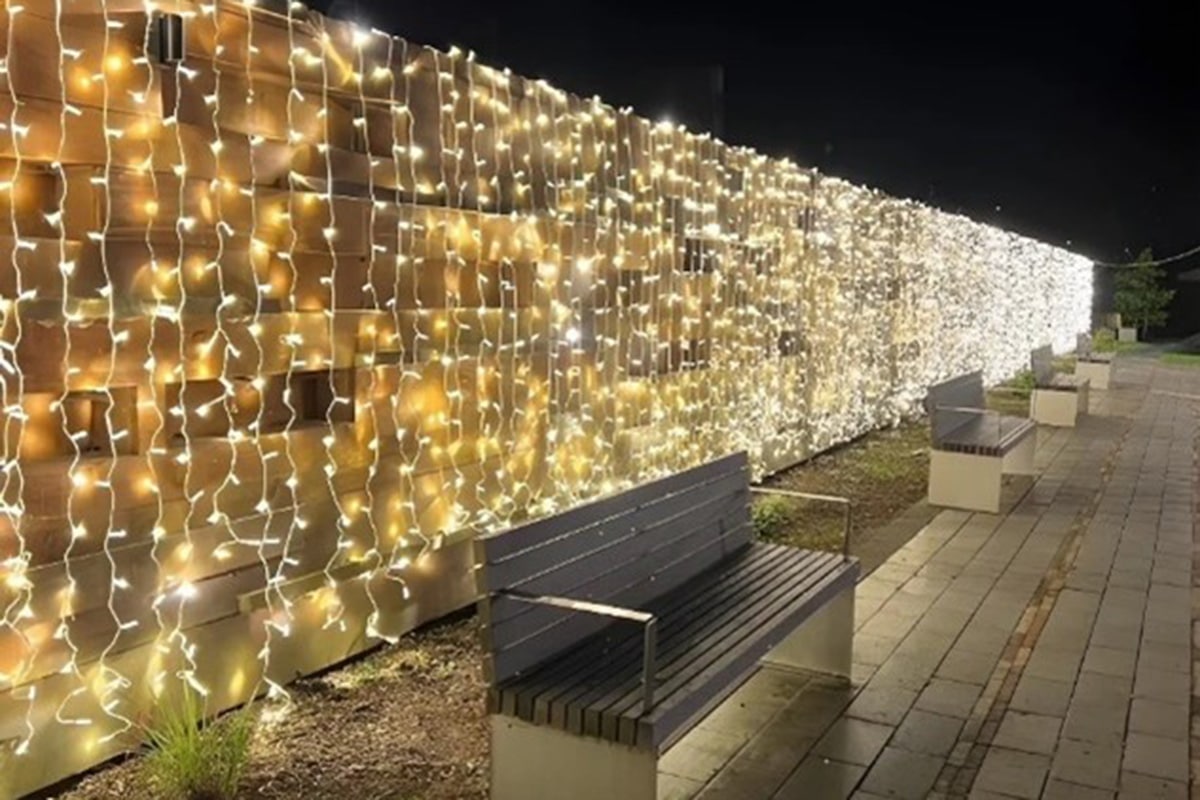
823, 643
1019, 460
1083, 398
1054, 407
962, 480
534, 762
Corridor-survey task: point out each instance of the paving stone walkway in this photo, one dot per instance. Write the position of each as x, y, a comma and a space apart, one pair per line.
1045, 652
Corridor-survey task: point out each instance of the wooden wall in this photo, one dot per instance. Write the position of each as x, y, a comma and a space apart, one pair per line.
285, 323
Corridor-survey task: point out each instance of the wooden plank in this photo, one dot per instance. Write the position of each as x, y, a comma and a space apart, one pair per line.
654, 730
545, 634
622, 649
634, 556
738, 625
498, 547
556, 689
571, 555
602, 709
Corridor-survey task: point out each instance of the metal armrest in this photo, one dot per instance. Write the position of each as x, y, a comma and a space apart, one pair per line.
820, 498
648, 621
965, 410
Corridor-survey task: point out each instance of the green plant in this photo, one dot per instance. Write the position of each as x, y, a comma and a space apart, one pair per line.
1104, 341
771, 516
1181, 359
1139, 296
196, 759
1023, 383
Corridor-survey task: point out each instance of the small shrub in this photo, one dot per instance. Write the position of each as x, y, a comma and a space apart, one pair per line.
195, 759
1023, 383
771, 516
1104, 341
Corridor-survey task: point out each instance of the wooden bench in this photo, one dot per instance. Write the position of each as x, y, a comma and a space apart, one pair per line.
1056, 399
1095, 367
972, 446
612, 628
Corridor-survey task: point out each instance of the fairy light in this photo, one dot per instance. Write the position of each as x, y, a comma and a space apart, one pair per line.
373, 555
157, 397
63, 714
538, 298
113, 682
335, 610
12, 387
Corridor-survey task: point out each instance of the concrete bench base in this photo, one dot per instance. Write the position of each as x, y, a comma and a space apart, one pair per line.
973, 482
538, 762
1058, 407
542, 762
823, 643
1096, 372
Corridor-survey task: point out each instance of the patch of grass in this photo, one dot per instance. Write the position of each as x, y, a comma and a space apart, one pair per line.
798, 522
1009, 401
771, 515
882, 474
197, 759
1181, 359
1104, 341
1022, 384
1130, 347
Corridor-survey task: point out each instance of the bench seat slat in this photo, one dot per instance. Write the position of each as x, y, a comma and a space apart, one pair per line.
560, 683
958, 429
740, 644
731, 667
990, 436
529, 638
621, 550
546, 682
551, 685
574, 673
695, 634
715, 627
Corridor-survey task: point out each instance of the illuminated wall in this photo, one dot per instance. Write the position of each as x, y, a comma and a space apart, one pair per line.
285, 321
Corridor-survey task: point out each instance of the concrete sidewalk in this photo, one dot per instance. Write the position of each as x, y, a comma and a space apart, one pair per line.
1042, 652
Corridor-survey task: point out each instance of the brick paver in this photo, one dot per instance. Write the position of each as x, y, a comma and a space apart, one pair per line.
1045, 652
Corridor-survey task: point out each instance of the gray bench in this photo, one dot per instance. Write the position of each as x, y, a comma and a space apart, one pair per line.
972, 447
1056, 399
1095, 367
612, 628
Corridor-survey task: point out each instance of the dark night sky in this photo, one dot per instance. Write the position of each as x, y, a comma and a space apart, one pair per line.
1073, 123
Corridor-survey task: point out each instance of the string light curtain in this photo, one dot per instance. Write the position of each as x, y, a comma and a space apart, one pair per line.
291, 309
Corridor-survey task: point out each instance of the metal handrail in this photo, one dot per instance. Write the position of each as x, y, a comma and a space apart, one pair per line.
649, 629
822, 498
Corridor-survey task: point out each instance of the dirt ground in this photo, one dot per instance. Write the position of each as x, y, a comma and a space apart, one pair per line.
884, 474
881, 474
402, 723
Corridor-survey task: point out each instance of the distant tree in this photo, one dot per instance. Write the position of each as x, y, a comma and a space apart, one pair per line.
1140, 298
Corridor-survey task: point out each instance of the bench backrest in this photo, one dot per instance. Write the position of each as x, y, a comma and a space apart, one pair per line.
623, 550
1041, 361
965, 391
1083, 344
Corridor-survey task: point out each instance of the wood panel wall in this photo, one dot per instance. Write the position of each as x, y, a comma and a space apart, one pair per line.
286, 322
